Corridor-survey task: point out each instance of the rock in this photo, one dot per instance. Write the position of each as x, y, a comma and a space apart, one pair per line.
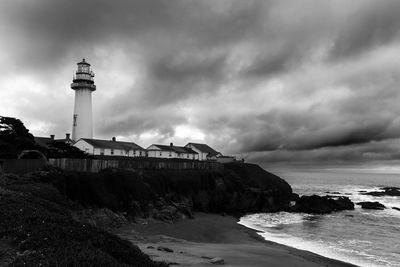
165, 249
396, 208
371, 205
217, 261
167, 213
322, 204
387, 191
294, 197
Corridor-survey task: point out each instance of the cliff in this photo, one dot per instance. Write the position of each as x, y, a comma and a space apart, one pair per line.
171, 194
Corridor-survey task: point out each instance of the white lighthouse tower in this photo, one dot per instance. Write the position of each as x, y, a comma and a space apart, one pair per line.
83, 84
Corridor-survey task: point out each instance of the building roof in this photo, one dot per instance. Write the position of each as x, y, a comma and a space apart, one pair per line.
112, 144
177, 149
205, 149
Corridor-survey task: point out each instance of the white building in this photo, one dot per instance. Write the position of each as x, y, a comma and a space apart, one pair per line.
171, 151
83, 84
110, 147
204, 151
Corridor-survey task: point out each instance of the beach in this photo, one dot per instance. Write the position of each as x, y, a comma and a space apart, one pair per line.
196, 242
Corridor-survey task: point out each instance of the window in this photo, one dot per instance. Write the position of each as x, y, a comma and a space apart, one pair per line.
160, 153
140, 153
112, 151
187, 155
101, 151
170, 154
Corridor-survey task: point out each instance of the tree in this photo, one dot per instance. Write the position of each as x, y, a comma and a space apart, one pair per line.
14, 137
60, 149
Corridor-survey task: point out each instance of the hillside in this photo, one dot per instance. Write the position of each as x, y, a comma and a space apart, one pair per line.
51, 217
37, 229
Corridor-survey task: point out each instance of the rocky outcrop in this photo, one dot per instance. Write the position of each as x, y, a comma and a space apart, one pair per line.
321, 204
170, 195
217, 261
385, 191
371, 205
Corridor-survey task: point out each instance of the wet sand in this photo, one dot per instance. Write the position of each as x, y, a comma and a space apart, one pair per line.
195, 242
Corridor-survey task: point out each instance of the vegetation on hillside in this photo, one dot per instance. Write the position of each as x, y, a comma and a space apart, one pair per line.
36, 229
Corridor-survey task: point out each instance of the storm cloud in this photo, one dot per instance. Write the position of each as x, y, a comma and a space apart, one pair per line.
274, 81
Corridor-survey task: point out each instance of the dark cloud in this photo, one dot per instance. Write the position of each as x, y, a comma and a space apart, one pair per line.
370, 26
274, 63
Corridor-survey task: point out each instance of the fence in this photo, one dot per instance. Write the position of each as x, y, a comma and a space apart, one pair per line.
96, 165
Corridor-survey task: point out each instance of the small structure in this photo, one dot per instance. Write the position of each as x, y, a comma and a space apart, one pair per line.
171, 151
204, 151
110, 147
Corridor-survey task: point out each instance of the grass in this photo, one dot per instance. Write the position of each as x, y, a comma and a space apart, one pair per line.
36, 223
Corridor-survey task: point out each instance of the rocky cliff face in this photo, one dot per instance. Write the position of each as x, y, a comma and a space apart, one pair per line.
169, 195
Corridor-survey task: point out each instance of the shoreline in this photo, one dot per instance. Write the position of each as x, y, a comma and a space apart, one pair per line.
194, 242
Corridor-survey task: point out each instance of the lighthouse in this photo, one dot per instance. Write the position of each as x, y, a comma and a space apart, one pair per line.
83, 84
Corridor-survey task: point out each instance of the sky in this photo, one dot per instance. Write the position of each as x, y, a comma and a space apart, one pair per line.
286, 83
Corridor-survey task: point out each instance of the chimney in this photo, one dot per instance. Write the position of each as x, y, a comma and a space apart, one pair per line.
113, 139
171, 144
67, 136
52, 137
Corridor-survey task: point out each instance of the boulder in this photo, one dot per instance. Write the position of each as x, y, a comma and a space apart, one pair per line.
217, 261
386, 191
371, 205
294, 197
322, 204
165, 249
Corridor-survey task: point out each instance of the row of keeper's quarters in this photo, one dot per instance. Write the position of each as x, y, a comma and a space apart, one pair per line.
98, 147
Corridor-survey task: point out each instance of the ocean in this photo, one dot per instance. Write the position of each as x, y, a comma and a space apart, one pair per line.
361, 237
